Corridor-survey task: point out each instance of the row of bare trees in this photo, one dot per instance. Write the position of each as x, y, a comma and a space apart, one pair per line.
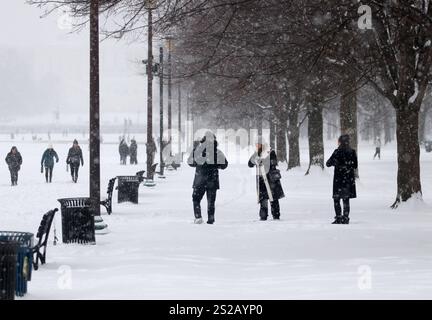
283, 61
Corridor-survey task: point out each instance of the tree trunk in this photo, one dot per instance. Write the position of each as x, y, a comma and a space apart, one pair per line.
315, 137
348, 115
388, 135
260, 128
293, 139
272, 132
422, 123
281, 139
408, 149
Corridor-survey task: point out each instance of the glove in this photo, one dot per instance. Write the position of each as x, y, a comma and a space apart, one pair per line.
41, 169
258, 161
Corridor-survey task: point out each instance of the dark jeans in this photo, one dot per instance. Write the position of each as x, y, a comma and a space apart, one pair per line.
197, 195
377, 153
338, 208
275, 210
133, 159
48, 173
14, 177
74, 171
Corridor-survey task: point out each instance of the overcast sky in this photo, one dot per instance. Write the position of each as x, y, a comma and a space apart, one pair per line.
43, 67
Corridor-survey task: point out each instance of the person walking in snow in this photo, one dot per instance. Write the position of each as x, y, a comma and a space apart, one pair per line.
133, 151
268, 184
151, 146
123, 151
48, 162
207, 160
344, 159
378, 148
74, 159
14, 162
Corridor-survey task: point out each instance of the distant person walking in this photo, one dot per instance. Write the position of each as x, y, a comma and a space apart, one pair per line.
344, 159
14, 162
378, 146
74, 159
48, 162
207, 160
123, 151
133, 151
269, 187
151, 147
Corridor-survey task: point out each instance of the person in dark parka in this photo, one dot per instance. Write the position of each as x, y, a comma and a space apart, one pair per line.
269, 187
48, 162
133, 151
74, 158
207, 159
151, 147
344, 159
14, 162
123, 151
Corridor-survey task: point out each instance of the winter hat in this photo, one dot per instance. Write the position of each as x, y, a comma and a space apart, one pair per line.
344, 140
75, 141
209, 137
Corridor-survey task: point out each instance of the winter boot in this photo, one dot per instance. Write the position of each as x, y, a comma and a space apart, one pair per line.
211, 220
345, 220
198, 221
338, 220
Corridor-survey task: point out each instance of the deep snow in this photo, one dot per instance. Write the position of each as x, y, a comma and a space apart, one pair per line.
154, 251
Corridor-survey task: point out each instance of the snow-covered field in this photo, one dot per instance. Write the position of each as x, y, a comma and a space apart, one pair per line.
154, 251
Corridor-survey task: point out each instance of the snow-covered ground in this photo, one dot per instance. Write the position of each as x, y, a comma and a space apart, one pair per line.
154, 251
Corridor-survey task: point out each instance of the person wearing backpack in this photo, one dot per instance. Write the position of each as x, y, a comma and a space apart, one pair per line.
48, 162
74, 159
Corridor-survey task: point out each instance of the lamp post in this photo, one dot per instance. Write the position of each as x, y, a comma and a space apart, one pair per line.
179, 120
161, 112
169, 39
150, 6
94, 117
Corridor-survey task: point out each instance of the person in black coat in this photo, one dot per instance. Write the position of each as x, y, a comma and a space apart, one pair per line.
151, 147
123, 151
47, 161
207, 159
344, 159
74, 158
269, 187
133, 151
14, 162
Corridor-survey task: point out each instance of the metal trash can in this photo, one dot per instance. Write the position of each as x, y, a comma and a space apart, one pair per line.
78, 225
8, 269
24, 262
128, 188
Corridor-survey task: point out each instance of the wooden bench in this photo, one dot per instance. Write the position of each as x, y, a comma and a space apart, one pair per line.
107, 203
39, 250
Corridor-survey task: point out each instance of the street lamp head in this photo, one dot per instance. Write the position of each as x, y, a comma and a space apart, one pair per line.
169, 44
150, 4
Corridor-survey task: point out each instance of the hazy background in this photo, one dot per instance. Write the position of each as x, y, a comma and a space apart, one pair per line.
44, 68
